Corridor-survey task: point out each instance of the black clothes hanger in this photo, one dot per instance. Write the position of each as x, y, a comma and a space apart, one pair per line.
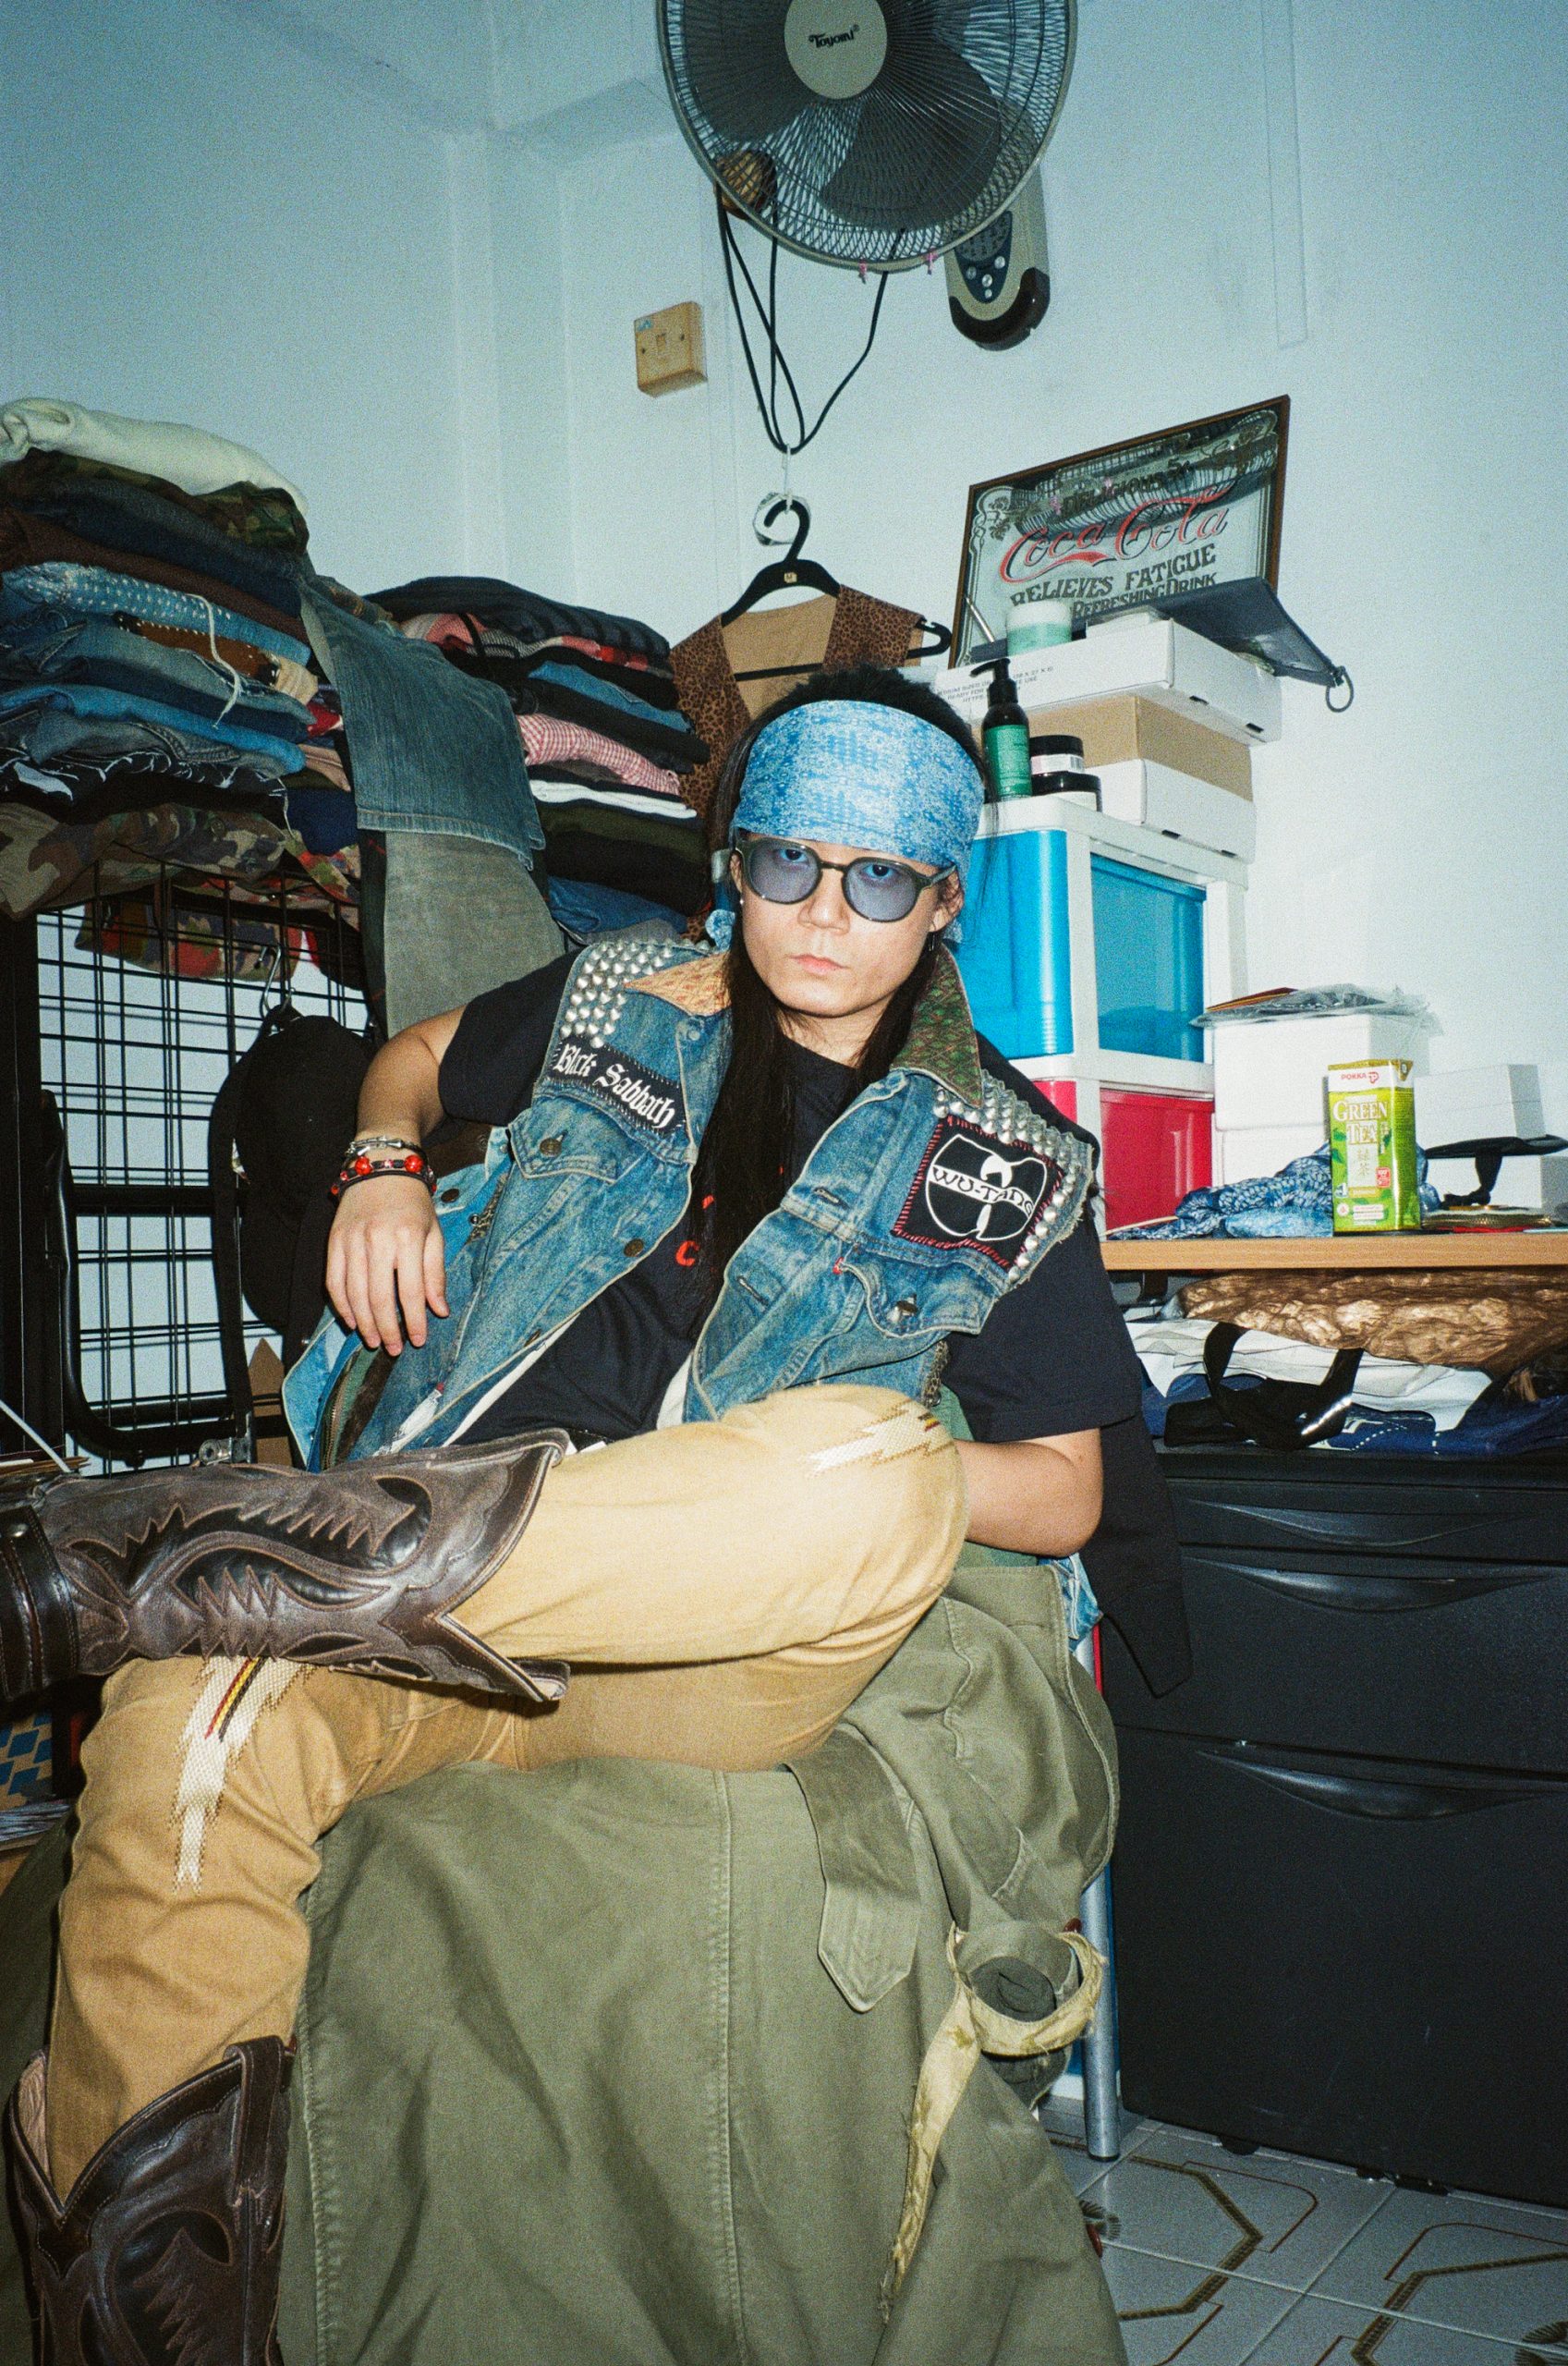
784, 574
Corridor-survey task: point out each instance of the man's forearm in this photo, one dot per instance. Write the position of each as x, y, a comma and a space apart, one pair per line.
1040, 1495
400, 1094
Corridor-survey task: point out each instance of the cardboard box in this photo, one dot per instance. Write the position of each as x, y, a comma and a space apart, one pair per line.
1130, 729
1157, 661
1372, 1146
1153, 796
1270, 1071
1242, 1153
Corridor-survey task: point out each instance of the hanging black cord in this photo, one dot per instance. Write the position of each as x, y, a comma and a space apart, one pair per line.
778, 366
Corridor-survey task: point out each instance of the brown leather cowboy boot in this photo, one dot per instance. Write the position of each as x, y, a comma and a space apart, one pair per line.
356, 1568
166, 2250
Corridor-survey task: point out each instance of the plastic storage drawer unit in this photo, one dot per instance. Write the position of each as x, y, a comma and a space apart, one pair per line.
1155, 1148
1016, 957
1148, 960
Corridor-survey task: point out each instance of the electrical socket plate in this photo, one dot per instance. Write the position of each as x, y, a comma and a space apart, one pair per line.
669, 350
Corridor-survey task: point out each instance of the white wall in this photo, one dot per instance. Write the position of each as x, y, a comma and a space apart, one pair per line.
208, 222
401, 248
1406, 288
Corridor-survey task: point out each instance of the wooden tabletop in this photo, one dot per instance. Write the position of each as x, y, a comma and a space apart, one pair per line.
1346, 1252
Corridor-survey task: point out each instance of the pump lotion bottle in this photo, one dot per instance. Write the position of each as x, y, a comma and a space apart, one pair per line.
1004, 735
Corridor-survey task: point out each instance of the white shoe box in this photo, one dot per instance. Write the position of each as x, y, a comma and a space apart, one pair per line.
1242, 1151
1462, 1105
1155, 659
1270, 1071
1158, 797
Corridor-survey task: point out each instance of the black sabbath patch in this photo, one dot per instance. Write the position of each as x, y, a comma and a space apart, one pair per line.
639, 1094
971, 1192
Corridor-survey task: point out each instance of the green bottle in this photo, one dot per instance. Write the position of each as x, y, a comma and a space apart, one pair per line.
1004, 735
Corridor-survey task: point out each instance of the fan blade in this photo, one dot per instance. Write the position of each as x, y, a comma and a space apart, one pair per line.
929, 139
737, 71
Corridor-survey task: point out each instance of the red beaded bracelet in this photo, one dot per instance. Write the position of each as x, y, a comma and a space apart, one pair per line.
360, 1167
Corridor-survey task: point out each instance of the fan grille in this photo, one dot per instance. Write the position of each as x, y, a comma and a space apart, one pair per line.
932, 150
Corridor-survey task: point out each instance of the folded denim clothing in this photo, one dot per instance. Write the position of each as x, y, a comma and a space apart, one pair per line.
433, 750
124, 517
189, 456
265, 518
679, 751
589, 838
547, 740
27, 540
264, 752
91, 648
85, 762
526, 613
587, 910
72, 589
600, 687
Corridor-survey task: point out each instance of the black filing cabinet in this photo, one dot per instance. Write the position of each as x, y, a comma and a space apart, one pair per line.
1341, 1880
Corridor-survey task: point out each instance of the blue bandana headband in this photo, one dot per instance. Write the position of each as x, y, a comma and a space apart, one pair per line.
854, 773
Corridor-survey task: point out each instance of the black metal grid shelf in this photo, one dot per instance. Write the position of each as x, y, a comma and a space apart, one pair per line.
137, 1030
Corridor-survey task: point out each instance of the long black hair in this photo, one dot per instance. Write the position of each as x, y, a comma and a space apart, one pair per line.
747, 1148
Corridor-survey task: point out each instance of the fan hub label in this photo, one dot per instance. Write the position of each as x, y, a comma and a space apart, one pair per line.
836, 48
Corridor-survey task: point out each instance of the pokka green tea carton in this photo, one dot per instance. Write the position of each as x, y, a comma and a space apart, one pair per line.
1372, 1146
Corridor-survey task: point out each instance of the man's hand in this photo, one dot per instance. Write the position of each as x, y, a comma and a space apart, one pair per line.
385, 1249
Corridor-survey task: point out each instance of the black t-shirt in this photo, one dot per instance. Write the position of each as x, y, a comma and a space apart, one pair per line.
1053, 1355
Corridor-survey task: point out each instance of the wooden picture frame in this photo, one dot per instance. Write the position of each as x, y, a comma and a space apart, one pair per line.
1119, 527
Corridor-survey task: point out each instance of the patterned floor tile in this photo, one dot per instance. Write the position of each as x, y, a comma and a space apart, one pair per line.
1170, 2309
1331, 2333
1269, 2220
1063, 2123
1497, 2268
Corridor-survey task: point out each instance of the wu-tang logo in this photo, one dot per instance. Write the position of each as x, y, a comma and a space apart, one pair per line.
974, 1192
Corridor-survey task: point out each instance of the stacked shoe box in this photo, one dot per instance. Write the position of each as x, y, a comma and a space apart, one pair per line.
1092, 940
1268, 1081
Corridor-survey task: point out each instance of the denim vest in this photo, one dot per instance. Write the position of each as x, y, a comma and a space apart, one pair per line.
937, 1191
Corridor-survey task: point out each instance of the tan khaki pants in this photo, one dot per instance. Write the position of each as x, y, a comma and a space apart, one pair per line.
722, 1591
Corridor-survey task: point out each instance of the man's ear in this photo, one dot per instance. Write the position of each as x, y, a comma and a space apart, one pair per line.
950, 903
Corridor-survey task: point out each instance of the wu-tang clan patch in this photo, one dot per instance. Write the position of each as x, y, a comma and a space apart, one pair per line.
972, 1192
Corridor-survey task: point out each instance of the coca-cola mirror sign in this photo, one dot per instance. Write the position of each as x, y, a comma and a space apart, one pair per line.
1125, 526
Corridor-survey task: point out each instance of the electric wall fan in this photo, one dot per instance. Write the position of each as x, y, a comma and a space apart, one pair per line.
871, 133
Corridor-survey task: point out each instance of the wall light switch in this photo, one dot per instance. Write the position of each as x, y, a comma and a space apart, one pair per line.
669, 350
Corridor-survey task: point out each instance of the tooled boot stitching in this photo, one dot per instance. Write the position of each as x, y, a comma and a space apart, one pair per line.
359, 1568
168, 2250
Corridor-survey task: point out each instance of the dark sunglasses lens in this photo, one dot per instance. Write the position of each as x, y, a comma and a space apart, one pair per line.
783, 873
881, 891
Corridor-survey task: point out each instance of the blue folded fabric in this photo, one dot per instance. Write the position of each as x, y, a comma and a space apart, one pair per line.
1295, 1204
323, 818
85, 698
593, 686
66, 588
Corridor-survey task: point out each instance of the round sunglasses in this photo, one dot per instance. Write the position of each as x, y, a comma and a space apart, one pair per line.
874, 886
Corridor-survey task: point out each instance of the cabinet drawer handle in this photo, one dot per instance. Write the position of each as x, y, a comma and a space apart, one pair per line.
1384, 1802
1361, 1590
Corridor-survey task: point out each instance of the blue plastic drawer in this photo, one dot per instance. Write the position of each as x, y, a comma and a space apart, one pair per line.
1148, 960
1014, 957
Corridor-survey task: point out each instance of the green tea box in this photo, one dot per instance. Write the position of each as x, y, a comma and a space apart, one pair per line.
1372, 1146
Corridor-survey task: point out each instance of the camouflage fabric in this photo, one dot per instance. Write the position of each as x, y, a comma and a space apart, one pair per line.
262, 517
48, 859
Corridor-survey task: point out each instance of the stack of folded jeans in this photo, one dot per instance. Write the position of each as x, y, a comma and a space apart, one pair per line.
156, 680
608, 748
